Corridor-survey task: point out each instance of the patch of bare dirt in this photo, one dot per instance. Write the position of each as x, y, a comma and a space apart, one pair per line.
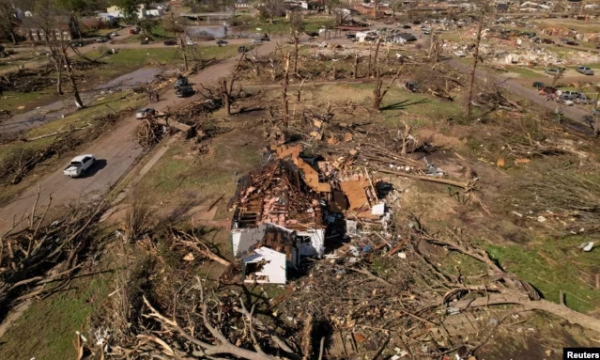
435, 138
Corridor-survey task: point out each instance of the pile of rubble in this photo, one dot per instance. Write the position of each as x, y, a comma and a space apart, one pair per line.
299, 205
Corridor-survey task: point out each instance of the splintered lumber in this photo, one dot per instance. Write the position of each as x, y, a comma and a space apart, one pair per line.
459, 184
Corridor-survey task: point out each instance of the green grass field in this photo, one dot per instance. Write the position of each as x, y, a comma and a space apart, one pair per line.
17, 102
552, 265
135, 58
525, 72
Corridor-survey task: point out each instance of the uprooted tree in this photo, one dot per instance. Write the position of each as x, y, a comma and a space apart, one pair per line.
200, 319
39, 254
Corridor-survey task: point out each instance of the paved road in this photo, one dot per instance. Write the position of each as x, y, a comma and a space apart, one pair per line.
572, 112
116, 151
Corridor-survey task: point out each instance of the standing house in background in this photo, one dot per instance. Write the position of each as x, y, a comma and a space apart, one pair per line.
62, 27
143, 11
277, 222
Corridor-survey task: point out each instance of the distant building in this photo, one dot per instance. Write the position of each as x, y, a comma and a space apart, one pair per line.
143, 11
115, 11
91, 23
241, 6
62, 27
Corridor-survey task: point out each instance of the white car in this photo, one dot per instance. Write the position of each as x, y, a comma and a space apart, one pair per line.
79, 165
145, 113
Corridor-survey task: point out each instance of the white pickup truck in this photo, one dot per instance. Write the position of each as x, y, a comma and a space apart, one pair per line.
79, 165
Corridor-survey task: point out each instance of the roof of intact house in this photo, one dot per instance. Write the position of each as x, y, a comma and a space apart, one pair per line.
276, 193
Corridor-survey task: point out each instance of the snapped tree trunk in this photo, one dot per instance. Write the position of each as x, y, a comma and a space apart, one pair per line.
375, 59
58, 67
71, 75
355, 75
296, 54
184, 53
369, 64
226, 97
284, 93
475, 60
378, 94
405, 139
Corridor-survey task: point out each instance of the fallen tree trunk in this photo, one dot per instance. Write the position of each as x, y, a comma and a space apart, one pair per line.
561, 311
465, 186
55, 133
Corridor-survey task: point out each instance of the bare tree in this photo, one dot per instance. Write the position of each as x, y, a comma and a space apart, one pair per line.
7, 20
329, 5
270, 9
559, 74
183, 51
227, 88
56, 27
356, 61
296, 28
474, 70
378, 94
284, 94
63, 48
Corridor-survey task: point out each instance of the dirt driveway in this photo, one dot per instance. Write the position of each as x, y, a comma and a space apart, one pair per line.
116, 151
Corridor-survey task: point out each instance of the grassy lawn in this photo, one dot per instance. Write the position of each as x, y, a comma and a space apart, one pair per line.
315, 23
143, 57
47, 329
552, 265
136, 58
18, 102
400, 105
178, 174
525, 72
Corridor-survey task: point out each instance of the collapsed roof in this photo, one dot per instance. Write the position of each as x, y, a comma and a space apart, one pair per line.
276, 193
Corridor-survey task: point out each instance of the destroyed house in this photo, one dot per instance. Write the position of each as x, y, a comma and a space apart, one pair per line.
277, 222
